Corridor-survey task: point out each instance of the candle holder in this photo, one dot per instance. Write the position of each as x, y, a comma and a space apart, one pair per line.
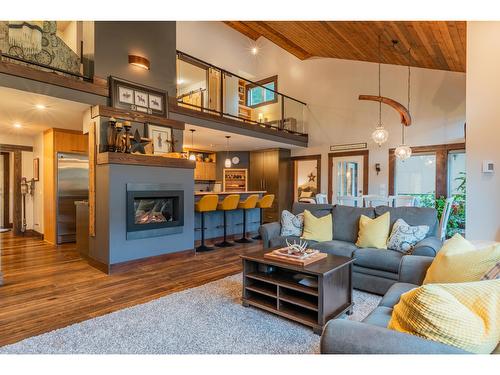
126, 144
118, 137
111, 134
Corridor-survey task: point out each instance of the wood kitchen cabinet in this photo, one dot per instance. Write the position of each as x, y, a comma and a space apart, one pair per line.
205, 171
270, 170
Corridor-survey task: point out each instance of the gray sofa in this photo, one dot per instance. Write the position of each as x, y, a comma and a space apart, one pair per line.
342, 336
374, 270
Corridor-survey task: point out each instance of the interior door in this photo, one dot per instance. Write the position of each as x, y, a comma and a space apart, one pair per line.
347, 176
214, 84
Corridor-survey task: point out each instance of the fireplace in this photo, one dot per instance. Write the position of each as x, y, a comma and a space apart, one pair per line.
153, 212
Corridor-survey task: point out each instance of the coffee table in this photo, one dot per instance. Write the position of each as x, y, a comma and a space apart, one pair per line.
274, 286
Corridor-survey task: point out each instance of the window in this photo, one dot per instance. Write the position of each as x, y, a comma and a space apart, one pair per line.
416, 176
263, 93
456, 172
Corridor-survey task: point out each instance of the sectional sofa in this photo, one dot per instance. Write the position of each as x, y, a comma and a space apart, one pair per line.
374, 270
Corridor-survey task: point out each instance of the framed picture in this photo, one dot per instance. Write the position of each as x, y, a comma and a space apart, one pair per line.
36, 169
136, 97
161, 138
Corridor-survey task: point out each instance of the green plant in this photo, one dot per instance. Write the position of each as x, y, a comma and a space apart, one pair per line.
456, 222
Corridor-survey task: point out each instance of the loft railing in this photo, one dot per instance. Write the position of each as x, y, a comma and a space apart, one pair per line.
204, 87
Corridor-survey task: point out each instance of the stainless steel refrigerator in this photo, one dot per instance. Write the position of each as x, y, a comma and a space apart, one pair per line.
72, 185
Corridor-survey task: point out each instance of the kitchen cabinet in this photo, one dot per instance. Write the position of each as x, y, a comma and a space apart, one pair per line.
270, 170
205, 171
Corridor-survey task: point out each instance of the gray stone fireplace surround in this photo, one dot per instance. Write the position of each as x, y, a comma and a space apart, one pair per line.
110, 245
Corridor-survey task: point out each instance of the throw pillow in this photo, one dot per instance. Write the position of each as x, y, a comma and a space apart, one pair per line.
317, 228
306, 194
464, 315
404, 237
459, 261
291, 225
374, 232
492, 274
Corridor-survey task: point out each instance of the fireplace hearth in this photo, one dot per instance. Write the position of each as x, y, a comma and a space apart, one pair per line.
153, 211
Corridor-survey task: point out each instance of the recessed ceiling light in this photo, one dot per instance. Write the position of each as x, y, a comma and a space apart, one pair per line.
40, 106
255, 50
180, 81
17, 125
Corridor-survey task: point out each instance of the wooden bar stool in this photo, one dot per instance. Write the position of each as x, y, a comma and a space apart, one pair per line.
229, 203
265, 202
245, 205
207, 203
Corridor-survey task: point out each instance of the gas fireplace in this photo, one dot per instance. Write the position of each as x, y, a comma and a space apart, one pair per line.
153, 212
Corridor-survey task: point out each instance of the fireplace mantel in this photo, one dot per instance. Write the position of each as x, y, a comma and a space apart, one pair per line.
145, 160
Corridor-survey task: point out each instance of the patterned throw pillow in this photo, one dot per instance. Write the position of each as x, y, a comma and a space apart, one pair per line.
404, 237
291, 225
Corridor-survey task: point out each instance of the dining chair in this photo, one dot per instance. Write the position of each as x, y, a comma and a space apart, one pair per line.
350, 201
445, 217
404, 201
321, 199
376, 200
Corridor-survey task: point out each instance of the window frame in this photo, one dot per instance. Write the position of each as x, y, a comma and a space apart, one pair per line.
441, 152
261, 83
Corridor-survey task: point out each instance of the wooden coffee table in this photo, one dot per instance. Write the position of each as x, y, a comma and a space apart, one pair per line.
274, 286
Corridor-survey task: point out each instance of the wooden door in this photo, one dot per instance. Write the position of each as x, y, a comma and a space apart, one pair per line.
255, 181
214, 85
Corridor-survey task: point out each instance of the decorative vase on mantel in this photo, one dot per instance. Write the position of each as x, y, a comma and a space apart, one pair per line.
126, 143
118, 137
111, 134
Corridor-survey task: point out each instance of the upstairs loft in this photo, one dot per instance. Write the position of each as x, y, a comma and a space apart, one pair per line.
62, 54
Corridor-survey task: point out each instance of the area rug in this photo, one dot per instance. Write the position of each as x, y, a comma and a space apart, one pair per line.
204, 320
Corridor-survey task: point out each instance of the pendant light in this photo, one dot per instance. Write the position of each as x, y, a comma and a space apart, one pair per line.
380, 135
192, 156
403, 151
227, 162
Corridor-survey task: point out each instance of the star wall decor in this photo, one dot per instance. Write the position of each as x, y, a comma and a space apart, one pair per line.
137, 144
312, 177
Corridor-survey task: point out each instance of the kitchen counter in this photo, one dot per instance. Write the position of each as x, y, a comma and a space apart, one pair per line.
230, 192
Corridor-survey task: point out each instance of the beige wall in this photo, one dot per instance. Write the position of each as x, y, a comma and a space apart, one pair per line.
334, 114
483, 130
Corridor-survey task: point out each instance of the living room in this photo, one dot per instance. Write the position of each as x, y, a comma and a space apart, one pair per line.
287, 186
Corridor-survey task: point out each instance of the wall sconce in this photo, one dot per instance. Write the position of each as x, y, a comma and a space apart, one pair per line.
139, 61
377, 168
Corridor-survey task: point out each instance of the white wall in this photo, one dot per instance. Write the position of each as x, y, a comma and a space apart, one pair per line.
334, 114
483, 130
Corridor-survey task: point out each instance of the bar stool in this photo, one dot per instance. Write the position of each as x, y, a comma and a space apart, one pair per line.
207, 203
228, 204
246, 205
265, 202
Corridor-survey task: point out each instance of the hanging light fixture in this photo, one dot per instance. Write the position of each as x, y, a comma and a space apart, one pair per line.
403, 151
380, 135
192, 156
227, 162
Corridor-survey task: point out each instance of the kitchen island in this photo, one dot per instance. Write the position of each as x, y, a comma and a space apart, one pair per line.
214, 220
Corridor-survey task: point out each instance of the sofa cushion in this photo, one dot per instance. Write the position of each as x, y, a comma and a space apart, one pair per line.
379, 317
346, 221
385, 260
317, 228
394, 294
281, 241
413, 216
374, 232
318, 210
373, 272
341, 248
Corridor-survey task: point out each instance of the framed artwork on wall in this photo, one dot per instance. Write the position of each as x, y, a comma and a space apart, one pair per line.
136, 97
161, 137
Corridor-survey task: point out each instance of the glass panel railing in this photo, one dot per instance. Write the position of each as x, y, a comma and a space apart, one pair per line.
207, 88
49, 45
293, 116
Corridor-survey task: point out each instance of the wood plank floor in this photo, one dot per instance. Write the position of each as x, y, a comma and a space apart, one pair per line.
48, 287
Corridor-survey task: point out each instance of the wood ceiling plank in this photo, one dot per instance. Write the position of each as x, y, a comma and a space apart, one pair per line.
435, 44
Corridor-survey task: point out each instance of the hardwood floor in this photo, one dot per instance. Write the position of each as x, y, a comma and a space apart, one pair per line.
48, 287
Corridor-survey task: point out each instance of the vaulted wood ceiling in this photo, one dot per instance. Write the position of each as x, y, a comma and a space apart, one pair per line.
434, 44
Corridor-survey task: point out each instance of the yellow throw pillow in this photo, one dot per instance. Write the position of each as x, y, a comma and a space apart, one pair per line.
459, 261
464, 315
317, 229
374, 232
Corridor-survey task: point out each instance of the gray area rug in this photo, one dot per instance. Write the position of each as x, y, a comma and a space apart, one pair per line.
204, 320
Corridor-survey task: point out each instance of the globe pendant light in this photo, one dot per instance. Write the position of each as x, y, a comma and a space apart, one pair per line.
227, 162
380, 135
403, 151
192, 156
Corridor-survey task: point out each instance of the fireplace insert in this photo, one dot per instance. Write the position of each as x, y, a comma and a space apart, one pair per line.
149, 211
